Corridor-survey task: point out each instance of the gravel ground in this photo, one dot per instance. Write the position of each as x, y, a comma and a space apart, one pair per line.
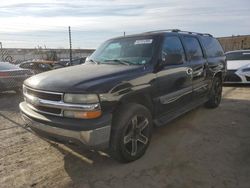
203, 148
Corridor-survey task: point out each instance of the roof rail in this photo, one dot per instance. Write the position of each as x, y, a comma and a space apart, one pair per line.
180, 31
163, 30
195, 33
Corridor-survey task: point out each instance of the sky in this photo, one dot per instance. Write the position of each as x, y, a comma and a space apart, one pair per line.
32, 23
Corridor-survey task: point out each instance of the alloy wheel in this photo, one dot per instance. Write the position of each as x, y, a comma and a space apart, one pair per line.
136, 138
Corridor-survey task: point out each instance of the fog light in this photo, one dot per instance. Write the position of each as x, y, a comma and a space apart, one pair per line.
82, 115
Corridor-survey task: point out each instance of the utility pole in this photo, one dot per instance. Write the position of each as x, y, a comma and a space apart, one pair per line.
70, 47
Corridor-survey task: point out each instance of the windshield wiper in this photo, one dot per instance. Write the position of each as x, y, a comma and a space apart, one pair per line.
124, 62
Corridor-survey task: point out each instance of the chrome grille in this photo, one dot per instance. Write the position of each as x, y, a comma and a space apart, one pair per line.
52, 103
34, 97
44, 94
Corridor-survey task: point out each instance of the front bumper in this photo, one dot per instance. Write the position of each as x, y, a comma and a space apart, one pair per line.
237, 76
95, 138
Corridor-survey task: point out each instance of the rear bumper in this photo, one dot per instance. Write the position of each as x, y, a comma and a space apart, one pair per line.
95, 138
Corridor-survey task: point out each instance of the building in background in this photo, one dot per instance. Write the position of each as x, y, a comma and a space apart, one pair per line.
239, 42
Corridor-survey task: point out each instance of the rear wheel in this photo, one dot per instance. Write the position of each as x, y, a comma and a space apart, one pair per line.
131, 133
215, 94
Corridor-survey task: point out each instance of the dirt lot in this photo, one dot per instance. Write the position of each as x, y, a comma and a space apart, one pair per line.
204, 148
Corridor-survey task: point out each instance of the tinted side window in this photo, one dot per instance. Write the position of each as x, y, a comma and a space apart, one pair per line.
212, 47
193, 48
172, 45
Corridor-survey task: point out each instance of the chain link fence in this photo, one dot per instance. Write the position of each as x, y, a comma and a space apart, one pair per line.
16, 65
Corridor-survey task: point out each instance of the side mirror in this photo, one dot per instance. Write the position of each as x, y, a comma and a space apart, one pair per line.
172, 59
87, 58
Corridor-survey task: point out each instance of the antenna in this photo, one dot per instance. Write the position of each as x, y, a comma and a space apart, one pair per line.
70, 47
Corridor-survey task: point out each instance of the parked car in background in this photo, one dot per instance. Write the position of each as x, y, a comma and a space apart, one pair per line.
238, 67
128, 85
66, 62
12, 76
39, 66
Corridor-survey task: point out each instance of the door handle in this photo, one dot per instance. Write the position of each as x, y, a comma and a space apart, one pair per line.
189, 71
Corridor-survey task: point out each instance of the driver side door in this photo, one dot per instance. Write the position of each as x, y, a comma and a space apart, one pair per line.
174, 79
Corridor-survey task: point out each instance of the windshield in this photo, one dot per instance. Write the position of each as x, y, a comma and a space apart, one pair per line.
243, 55
133, 50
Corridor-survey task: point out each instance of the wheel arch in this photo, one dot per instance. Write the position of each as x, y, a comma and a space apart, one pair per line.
138, 98
218, 74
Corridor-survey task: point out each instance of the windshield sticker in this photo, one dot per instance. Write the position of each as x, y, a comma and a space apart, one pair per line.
144, 41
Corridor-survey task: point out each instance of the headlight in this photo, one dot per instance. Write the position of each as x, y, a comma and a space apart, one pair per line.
24, 90
246, 69
81, 98
87, 99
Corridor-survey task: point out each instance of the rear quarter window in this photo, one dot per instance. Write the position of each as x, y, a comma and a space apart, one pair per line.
212, 46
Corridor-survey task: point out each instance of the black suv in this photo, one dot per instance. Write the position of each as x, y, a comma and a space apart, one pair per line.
127, 86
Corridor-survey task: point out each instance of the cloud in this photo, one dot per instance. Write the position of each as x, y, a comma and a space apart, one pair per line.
95, 21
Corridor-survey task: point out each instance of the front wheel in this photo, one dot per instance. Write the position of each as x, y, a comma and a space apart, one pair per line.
215, 94
131, 133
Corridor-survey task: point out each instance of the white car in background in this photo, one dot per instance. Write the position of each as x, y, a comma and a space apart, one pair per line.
238, 67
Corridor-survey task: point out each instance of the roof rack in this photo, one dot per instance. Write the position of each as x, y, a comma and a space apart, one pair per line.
163, 30
195, 33
180, 31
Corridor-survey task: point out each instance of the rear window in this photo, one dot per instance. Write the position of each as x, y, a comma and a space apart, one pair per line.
212, 46
244, 55
7, 66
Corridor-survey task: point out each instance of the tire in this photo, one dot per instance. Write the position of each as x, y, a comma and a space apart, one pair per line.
131, 132
215, 93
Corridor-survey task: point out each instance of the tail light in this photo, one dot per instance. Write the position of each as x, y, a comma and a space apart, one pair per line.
4, 74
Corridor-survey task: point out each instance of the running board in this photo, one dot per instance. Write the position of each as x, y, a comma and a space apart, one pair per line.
163, 120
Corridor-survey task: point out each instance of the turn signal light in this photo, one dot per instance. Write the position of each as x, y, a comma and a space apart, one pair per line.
83, 115
4, 74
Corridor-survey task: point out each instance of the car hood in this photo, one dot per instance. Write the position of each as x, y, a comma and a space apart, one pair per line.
237, 64
83, 78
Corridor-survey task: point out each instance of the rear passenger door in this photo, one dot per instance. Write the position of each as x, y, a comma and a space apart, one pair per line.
197, 64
